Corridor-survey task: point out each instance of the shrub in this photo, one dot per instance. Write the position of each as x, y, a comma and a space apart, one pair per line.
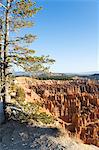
44, 118
30, 111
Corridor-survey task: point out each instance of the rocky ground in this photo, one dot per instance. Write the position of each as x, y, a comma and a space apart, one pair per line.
21, 136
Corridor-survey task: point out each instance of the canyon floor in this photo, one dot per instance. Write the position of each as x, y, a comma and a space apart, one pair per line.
21, 136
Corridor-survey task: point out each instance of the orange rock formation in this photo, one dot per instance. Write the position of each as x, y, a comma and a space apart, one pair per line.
76, 103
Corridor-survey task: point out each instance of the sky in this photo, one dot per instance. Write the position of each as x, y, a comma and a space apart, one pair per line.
67, 30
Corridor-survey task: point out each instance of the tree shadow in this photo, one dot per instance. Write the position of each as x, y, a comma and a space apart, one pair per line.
15, 135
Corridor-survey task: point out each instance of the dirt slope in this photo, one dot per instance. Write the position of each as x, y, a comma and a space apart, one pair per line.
18, 136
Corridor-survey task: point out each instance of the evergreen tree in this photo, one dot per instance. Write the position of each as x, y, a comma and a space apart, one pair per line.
14, 50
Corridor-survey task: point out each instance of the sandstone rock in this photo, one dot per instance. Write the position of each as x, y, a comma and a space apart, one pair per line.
75, 102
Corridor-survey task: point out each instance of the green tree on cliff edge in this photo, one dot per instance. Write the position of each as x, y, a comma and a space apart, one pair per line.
15, 15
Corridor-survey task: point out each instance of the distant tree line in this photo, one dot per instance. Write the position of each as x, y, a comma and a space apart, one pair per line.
55, 78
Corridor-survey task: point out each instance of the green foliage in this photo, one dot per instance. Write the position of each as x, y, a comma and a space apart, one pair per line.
19, 15
25, 8
22, 56
44, 118
31, 112
31, 108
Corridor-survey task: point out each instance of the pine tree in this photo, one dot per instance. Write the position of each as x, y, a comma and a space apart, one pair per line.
15, 16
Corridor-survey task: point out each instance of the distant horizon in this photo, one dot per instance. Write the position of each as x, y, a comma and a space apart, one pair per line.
89, 72
78, 72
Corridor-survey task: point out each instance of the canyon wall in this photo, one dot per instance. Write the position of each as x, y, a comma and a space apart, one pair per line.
75, 103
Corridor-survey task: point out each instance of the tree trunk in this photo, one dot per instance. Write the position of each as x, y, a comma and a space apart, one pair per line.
2, 118
5, 65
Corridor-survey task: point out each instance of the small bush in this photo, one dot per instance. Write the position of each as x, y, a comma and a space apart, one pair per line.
32, 109
44, 118
31, 112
